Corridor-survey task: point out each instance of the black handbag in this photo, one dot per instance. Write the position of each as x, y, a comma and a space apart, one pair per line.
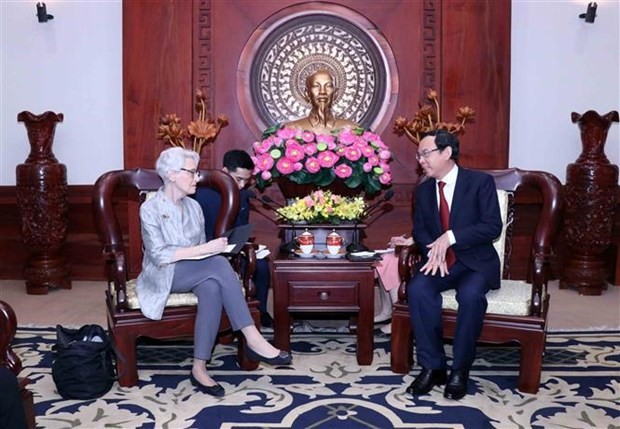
84, 365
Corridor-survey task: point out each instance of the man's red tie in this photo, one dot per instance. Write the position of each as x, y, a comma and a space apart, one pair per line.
444, 216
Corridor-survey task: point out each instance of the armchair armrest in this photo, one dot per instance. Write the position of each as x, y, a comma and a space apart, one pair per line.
408, 256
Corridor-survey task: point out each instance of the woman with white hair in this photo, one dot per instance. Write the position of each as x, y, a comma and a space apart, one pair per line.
172, 232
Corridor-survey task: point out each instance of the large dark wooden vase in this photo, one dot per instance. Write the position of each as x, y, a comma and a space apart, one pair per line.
43, 206
591, 183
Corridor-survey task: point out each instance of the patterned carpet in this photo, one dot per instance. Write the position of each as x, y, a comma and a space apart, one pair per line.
325, 388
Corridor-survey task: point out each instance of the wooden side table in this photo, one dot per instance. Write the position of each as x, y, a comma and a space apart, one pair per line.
324, 286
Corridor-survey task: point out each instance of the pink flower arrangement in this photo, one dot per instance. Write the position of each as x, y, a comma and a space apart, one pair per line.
359, 158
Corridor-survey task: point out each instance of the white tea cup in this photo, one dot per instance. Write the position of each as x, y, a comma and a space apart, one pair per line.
306, 248
333, 249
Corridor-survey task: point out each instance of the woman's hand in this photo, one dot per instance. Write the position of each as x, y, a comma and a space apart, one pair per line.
215, 245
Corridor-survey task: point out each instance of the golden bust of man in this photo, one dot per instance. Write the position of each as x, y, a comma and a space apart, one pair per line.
320, 93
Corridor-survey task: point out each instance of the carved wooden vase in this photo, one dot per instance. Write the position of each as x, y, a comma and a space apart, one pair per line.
591, 183
43, 206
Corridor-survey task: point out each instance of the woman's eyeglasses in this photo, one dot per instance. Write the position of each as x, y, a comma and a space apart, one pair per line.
192, 172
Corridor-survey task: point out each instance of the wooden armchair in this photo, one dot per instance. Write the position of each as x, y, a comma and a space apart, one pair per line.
517, 312
8, 359
125, 320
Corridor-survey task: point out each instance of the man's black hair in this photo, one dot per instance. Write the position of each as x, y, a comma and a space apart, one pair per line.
234, 159
443, 139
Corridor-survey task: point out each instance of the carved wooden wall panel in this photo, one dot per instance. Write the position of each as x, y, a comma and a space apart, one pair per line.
461, 48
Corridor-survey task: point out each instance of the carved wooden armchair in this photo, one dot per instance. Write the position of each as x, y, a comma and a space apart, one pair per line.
517, 312
125, 320
8, 359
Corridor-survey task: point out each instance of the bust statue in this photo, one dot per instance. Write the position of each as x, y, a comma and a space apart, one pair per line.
320, 92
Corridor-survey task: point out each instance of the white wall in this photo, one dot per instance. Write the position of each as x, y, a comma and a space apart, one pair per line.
73, 65
560, 65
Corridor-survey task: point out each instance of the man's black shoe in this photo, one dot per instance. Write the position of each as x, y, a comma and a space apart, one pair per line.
457, 384
265, 320
426, 380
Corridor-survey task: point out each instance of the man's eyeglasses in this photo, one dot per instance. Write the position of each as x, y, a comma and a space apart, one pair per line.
425, 154
192, 172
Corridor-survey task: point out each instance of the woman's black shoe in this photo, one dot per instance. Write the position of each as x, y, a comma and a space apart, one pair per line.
217, 390
283, 358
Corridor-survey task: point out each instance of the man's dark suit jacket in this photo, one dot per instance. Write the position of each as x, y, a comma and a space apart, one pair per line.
210, 201
475, 221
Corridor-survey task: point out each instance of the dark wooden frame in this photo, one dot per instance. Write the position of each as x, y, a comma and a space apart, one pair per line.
529, 331
126, 325
10, 360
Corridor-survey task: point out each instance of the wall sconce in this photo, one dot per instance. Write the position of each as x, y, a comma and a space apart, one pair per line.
590, 14
42, 13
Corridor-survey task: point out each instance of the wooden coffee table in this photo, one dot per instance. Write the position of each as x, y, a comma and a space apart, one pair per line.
324, 286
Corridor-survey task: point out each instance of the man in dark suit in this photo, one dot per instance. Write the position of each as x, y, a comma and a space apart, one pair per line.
239, 165
456, 255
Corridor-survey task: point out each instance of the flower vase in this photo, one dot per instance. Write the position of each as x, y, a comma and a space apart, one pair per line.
590, 199
43, 205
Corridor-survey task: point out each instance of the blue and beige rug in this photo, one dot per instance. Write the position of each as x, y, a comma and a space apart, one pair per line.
325, 388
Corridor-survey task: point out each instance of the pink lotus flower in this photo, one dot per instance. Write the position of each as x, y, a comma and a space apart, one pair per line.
305, 157
285, 166
385, 178
263, 162
327, 159
343, 171
307, 136
385, 154
294, 151
347, 137
352, 153
312, 165
286, 133
367, 150
310, 149
373, 160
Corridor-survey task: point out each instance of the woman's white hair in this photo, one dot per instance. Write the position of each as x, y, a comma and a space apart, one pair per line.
173, 159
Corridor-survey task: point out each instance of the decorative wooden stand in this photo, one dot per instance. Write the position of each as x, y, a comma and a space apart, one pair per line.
591, 184
43, 206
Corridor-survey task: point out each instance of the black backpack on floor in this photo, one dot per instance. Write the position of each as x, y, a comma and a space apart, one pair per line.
84, 364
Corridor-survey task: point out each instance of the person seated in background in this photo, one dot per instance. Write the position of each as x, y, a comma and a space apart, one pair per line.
389, 281
173, 235
240, 166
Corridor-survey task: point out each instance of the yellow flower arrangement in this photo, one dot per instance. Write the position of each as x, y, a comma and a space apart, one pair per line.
428, 118
201, 131
323, 207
